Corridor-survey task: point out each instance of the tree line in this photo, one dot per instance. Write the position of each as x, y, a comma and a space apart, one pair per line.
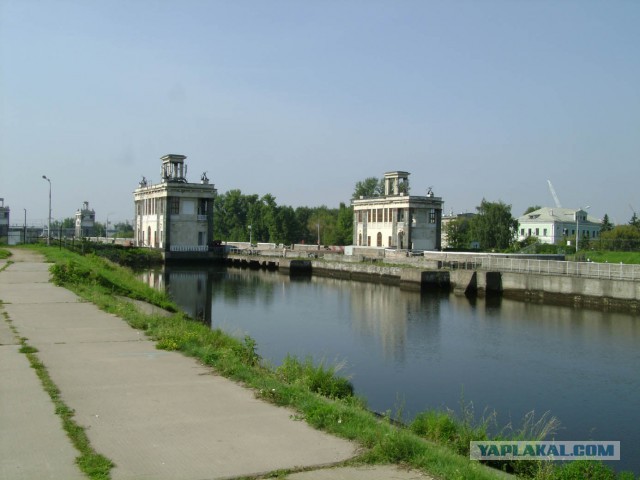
249, 217
240, 217
494, 228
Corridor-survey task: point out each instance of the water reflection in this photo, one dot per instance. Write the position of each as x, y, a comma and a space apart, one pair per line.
418, 351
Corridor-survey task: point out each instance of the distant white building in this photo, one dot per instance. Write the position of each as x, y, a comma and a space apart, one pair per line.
175, 216
4, 220
85, 221
397, 219
552, 225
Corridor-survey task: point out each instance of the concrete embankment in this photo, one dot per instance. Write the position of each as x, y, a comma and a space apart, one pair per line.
535, 287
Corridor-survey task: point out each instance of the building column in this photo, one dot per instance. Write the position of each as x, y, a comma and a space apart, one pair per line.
408, 227
167, 224
438, 229
209, 207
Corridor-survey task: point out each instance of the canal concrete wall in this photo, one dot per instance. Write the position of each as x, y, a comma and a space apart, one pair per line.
556, 289
534, 287
577, 291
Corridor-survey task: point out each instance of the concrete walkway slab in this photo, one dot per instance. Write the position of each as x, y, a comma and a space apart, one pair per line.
33, 293
7, 337
69, 323
32, 441
156, 414
378, 472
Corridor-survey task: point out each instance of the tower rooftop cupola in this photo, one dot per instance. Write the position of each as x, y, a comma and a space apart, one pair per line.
173, 169
396, 183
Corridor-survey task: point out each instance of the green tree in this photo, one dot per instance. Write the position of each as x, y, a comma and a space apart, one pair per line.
344, 225
369, 187
494, 227
620, 238
635, 222
290, 227
533, 208
606, 225
235, 212
124, 230
458, 233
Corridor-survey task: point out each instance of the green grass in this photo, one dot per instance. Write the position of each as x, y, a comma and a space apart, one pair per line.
4, 254
611, 257
433, 444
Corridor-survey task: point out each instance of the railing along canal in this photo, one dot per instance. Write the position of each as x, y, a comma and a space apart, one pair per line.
611, 271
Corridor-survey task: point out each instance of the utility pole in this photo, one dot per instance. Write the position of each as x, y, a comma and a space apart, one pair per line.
49, 224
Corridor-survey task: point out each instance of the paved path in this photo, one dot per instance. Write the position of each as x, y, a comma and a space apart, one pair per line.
156, 414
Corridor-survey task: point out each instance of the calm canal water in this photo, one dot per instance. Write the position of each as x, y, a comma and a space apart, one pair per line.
413, 351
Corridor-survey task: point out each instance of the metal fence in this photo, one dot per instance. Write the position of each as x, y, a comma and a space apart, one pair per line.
613, 271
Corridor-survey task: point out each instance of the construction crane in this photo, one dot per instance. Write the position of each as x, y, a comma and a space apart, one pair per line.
554, 194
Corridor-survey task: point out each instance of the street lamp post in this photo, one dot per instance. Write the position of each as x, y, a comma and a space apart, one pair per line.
49, 224
318, 225
250, 236
25, 225
578, 226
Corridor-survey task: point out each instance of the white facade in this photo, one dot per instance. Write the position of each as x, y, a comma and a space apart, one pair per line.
552, 225
174, 215
85, 221
397, 219
4, 219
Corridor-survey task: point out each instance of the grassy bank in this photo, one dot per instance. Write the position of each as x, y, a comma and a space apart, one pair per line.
611, 257
436, 442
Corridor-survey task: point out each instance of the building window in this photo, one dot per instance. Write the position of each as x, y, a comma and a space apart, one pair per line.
360, 239
529, 232
174, 205
544, 232
380, 215
522, 232
368, 240
359, 216
202, 207
389, 242
379, 239
368, 216
537, 232
386, 214
432, 215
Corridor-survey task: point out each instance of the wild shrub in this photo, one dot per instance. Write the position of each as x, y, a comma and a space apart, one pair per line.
437, 426
317, 378
584, 470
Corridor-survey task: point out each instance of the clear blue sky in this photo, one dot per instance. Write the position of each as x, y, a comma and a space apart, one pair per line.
301, 99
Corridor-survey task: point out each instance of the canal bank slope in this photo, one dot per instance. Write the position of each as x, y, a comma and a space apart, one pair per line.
155, 414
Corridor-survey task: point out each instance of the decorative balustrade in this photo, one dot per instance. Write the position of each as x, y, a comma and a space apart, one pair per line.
188, 248
613, 271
